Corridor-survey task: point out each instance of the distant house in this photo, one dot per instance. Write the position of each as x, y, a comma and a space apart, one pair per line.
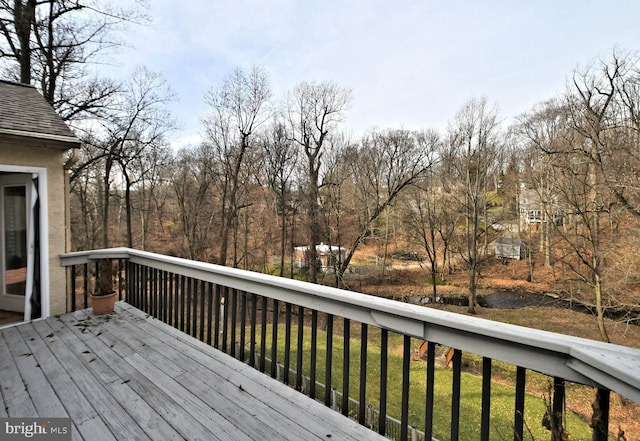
532, 208
328, 257
506, 247
34, 150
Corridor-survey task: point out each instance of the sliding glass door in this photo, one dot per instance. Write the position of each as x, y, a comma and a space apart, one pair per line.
16, 243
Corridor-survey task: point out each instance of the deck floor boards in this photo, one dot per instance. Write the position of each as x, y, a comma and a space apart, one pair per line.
129, 376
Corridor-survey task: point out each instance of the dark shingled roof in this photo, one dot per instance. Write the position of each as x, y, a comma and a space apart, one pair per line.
25, 115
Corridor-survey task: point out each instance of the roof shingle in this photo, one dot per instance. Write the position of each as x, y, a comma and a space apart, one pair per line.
25, 114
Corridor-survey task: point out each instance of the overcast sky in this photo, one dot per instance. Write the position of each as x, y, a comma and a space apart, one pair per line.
409, 64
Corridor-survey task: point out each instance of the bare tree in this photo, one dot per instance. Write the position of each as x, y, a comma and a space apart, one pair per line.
471, 146
387, 163
336, 198
545, 131
193, 181
237, 109
51, 43
313, 113
151, 175
431, 222
280, 156
138, 121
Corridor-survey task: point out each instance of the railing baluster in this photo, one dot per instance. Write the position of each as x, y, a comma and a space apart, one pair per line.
287, 342
149, 284
203, 289
518, 424
95, 284
73, 288
263, 334
216, 320
196, 302
120, 269
183, 305
346, 364
485, 420
225, 318
145, 289
233, 314
274, 338
188, 305
455, 395
406, 360
128, 276
362, 410
314, 353
243, 324
153, 276
85, 282
252, 336
170, 299
156, 293
209, 312
165, 296
600, 419
557, 410
384, 357
132, 290
328, 361
300, 351
428, 416
174, 296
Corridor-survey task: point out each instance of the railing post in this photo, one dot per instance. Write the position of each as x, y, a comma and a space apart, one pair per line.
314, 353
518, 424
382, 419
243, 324
263, 334
455, 395
287, 342
85, 282
406, 360
557, 410
428, 418
274, 338
486, 399
299, 354
345, 366
328, 400
363, 374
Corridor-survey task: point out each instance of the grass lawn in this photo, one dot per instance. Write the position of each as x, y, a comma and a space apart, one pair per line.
502, 393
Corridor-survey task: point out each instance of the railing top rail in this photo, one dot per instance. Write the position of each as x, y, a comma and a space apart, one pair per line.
575, 359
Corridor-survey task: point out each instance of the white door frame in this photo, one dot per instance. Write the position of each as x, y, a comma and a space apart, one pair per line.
41, 174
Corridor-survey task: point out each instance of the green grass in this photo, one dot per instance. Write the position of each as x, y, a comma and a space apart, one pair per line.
502, 393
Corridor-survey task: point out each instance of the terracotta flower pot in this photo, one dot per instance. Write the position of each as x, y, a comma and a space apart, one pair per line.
103, 304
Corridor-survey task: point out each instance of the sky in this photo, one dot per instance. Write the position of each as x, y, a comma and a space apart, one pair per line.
408, 64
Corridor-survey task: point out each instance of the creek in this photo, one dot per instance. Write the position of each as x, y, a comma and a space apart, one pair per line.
521, 299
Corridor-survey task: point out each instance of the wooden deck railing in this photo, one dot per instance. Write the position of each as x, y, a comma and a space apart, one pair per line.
302, 333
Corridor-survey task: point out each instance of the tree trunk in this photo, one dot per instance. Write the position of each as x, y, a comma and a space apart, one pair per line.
283, 233
471, 309
599, 309
105, 207
24, 14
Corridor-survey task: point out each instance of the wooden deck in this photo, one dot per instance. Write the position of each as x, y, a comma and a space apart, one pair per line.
129, 376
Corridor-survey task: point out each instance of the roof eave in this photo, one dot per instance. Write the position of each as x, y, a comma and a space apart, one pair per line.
43, 139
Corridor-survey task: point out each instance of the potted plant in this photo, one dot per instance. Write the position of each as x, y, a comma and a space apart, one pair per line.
104, 297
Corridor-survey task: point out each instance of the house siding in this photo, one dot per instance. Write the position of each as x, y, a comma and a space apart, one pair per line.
16, 154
